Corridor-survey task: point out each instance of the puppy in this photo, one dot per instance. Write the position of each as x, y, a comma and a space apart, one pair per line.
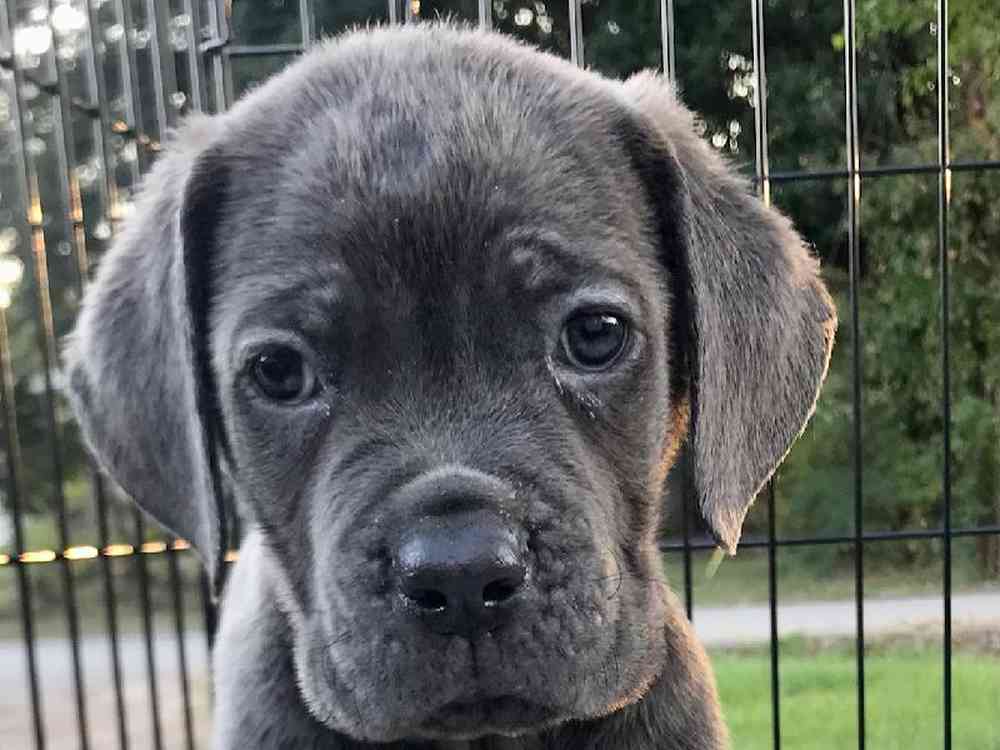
437, 310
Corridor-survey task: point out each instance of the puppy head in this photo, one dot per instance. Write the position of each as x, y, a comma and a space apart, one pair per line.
438, 307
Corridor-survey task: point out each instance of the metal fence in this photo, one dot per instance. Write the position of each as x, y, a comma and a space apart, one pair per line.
117, 74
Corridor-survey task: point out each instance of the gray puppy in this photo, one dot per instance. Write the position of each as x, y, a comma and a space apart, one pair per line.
437, 310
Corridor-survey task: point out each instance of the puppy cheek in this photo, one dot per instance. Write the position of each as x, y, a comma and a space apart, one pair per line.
677, 429
284, 525
349, 623
326, 698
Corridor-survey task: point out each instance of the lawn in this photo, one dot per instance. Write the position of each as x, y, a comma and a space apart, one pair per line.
904, 698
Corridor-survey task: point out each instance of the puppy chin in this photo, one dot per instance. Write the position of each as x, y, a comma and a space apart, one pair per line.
345, 695
366, 722
342, 710
508, 716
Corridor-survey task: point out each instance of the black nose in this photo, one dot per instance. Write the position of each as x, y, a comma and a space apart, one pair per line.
461, 573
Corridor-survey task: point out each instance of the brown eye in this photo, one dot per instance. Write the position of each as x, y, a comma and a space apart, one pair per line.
594, 341
281, 374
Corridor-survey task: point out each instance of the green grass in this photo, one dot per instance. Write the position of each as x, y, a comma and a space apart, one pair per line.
904, 698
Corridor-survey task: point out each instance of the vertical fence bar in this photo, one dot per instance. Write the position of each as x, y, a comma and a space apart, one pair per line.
228, 87
762, 166
177, 599
762, 169
134, 106
772, 601
33, 217
210, 612
14, 473
307, 22
576, 33
182, 660
47, 347
219, 32
686, 512
99, 84
667, 42
164, 72
192, 9
49, 359
667, 48
853, 228
944, 199
179, 630
147, 629
14, 496
165, 82
110, 205
485, 15
111, 611
95, 80
130, 78
76, 235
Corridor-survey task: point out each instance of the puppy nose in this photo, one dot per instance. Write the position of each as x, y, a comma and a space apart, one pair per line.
461, 574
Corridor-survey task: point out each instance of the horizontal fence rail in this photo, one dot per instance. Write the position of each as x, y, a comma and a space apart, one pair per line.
89, 552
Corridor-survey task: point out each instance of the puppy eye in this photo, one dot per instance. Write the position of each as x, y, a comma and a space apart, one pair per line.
282, 374
594, 341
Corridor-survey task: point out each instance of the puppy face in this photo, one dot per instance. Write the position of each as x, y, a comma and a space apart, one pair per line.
439, 340
436, 310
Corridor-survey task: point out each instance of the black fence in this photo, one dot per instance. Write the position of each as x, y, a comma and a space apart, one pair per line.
88, 88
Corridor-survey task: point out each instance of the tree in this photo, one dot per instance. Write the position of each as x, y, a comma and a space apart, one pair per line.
899, 292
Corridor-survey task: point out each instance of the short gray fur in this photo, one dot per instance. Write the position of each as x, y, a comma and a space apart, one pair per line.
420, 208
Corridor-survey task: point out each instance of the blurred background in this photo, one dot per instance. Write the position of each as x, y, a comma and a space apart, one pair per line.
863, 608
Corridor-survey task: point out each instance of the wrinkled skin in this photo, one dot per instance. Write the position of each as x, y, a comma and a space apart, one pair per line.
433, 306
418, 212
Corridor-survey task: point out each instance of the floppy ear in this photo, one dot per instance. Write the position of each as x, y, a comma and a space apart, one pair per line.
138, 375
761, 323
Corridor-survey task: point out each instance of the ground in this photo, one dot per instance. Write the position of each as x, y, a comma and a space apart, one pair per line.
817, 671
903, 695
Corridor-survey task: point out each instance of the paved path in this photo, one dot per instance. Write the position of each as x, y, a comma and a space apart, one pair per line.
58, 696
717, 626
745, 625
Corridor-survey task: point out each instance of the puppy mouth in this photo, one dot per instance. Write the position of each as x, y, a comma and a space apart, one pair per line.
507, 715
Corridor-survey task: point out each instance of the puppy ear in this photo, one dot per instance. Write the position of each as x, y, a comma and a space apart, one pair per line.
138, 374
761, 323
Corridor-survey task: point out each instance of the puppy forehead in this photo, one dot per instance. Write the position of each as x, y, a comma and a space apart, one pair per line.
522, 270
427, 172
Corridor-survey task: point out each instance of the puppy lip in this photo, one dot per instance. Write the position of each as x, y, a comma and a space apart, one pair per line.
504, 714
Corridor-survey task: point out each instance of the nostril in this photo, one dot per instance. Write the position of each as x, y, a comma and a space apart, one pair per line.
427, 599
499, 591
459, 574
